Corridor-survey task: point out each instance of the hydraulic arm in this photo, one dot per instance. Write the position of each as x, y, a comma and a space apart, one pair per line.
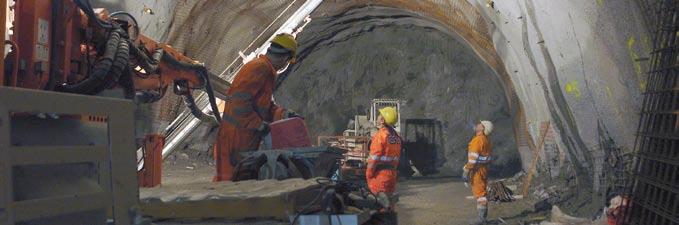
67, 46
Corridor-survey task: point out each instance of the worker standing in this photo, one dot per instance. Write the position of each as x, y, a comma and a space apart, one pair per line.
475, 170
383, 161
250, 108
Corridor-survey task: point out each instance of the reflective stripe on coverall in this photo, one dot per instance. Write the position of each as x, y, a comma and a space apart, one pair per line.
479, 152
249, 104
385, 151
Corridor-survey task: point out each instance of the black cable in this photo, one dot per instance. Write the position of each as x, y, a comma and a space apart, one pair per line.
87, 8
211, 98
149, 64
101, 68
134, 20
127, 83
320, 193
324, 187
202, 71
190, 103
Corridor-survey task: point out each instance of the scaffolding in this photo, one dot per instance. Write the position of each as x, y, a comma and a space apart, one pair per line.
655, 189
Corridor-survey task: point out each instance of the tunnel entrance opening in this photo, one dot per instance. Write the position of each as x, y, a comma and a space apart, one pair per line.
378, 52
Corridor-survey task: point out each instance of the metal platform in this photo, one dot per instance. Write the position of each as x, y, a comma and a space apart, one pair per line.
66, 159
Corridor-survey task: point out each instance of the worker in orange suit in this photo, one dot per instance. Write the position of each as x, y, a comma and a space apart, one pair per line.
383, 160
250, 108
475, 171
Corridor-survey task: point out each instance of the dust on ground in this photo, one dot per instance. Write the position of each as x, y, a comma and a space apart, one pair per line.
444, 201
423, 200
180, 168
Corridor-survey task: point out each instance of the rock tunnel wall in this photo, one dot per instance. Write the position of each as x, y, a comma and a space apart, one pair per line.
572, 73
576, 65
366, 53
580, 66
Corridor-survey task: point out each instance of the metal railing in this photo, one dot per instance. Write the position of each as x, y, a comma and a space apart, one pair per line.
66, 159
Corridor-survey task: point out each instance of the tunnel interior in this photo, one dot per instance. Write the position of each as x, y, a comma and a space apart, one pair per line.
366, 53
561, 112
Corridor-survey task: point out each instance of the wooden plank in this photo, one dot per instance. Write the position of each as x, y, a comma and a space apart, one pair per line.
123, 159
28, 100
534, 162
229, 200
225, 209
6, 187
41, 155
48, 207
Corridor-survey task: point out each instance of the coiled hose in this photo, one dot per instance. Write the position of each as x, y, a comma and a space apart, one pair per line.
150, 65
108, 68
114, 64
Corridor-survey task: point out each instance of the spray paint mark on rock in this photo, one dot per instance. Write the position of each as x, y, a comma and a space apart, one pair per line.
637, 65
572, 89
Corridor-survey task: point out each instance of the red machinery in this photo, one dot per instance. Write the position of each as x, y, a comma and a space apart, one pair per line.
66, 46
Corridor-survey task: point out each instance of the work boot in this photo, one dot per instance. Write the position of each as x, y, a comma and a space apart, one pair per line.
482, 214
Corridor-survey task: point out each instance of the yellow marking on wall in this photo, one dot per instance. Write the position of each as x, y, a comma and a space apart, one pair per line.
572, 89
647, 44
637, 65
600, 2
609, 92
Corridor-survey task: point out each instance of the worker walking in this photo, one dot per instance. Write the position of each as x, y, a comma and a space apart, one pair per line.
383, 161
250, 108
475, 170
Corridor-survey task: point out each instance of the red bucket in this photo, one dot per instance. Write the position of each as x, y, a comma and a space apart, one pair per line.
289, 133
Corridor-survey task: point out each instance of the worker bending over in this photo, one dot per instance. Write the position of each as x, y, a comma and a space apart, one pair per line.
475, 170
250, 108
385, 151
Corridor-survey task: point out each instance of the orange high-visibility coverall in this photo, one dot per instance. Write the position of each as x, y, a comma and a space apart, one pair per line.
478, 156
248, 106
385, 151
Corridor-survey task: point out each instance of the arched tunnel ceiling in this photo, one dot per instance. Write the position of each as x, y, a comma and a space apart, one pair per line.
575, 64
364, 53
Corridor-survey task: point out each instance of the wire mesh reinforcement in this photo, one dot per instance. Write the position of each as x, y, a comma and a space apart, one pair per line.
655, 190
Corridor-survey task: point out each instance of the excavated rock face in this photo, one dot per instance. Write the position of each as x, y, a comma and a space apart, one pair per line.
377, 52
571, 73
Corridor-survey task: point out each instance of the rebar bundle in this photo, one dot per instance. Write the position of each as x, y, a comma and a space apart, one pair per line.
655, 190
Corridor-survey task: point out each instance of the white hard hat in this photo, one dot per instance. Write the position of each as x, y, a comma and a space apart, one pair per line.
487, 127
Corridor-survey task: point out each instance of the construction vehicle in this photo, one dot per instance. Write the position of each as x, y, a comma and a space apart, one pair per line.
422, 138
69, 47
66, 46
73, 145
67, 148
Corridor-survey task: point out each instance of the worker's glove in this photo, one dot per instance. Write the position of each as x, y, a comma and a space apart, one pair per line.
292, 114
263, 129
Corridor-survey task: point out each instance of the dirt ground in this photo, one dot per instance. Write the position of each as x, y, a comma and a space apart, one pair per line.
445, 201
426, 201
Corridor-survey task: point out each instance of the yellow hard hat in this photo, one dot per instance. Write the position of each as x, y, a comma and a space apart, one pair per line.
288, 42
390, 115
